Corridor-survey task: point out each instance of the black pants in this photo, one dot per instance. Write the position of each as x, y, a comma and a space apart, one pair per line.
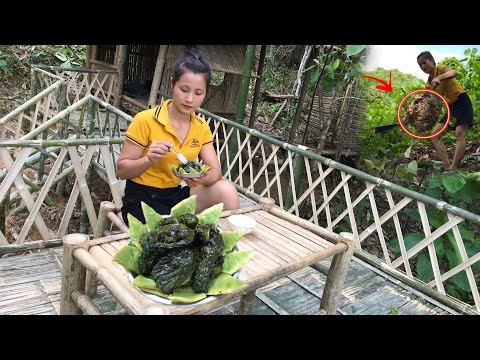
462, 110
161, 200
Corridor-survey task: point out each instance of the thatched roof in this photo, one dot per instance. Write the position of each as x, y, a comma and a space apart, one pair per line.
229, 59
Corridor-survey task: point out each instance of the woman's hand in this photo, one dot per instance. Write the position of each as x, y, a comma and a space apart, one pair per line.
157, 150
194, 182
435, 82
132, 163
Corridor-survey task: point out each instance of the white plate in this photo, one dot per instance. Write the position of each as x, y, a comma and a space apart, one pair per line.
188, 175
162, 300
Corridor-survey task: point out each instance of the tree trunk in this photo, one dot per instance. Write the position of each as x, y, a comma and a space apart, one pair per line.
258, 82
303, 93
122, 59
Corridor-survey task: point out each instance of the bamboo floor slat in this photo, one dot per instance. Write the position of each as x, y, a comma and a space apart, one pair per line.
26, 290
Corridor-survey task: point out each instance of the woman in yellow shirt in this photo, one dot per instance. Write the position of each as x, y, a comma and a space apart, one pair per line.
145, 158
442, 79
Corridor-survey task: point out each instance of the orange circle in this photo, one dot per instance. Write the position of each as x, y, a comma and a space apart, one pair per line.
418, 136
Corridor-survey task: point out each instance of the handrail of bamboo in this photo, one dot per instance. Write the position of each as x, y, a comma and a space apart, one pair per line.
442, 205
31, 102
39, 69
76, 69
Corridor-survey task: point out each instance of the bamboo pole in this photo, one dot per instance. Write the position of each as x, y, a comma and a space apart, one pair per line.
73, 273
322, 232
298, 173
118, 222
242, 100
103, 224
4, 209
31, 245
33, 86
246, 303
74, 69
337, 274
85, 304
116, 288
67, 142
271, 276
258, 82
88, 56
90, 123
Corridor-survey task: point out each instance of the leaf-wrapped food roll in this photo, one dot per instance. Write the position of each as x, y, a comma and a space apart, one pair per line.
188, 219
202, 234
175, 269
149, 256
206, 266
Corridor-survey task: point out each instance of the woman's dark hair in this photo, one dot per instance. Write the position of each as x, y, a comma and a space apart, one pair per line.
192, 61
426, 54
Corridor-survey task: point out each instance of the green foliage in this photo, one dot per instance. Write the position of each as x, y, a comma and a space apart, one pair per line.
60, 55
381, 110
345, 63
393, 311
9, 63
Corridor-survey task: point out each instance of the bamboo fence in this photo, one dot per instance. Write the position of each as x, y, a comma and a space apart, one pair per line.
327, 193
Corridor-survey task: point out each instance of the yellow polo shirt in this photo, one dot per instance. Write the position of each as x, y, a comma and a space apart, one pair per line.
154, 125
449, 89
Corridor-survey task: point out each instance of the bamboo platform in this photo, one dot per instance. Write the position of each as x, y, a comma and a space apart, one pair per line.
30, 285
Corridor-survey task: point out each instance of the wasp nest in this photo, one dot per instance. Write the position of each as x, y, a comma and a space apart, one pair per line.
423, 112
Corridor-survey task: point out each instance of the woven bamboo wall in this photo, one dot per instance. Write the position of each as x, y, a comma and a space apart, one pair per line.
352, 117
140, 64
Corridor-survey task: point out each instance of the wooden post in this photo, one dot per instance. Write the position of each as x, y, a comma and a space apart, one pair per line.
88, 56
122, 59
246, 302
337, 274
4, 210
298, 171
103, 224
258, 81
157, 75
85, 303
73, 273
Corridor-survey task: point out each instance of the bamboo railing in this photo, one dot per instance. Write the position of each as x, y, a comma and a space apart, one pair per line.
329, 194
336, 197
82, 81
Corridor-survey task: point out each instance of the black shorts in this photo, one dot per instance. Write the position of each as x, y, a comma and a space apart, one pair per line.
161, 200
462, 110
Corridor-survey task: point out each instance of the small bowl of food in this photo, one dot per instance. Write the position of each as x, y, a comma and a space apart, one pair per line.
190, 170
242, 222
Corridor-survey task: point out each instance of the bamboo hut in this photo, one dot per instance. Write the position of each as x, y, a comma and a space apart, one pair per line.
145, 72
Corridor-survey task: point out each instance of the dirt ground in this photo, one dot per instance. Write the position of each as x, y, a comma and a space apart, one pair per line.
52, 215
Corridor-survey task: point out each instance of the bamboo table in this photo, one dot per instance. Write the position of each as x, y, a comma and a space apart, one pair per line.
282, 243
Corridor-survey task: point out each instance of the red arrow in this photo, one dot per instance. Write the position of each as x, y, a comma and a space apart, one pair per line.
386, 87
